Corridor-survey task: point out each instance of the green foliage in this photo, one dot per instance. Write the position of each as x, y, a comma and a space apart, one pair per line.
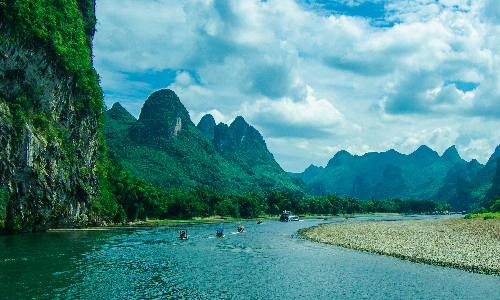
484, 216
495, 207
492, 205
226, 208
125, 197
62, 28
482, 210
4, 199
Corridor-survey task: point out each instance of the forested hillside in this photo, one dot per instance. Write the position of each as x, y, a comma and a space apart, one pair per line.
421, 175
165, 148
387, 174
131, 198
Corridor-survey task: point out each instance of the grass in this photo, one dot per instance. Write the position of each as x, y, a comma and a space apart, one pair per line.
484, 216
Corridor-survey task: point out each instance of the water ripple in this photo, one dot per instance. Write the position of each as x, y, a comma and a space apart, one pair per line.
267, 261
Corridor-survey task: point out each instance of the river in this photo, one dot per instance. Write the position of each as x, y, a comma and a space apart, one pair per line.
267, 261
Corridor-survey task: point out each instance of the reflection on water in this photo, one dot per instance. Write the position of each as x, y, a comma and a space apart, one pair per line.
267, 261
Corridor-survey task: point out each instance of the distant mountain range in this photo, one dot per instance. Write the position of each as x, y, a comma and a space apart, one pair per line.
165, 148
422, 174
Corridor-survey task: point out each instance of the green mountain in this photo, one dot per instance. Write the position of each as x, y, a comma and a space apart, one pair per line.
463, 184
165, 148
494, 188
387, 174
421, 175
308, 173
470, 186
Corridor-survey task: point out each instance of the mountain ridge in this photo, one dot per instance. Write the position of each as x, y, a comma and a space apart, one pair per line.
164, 147
363, 176
422, 174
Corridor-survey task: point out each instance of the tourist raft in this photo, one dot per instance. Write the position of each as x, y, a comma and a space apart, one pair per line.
288, 216
472, 245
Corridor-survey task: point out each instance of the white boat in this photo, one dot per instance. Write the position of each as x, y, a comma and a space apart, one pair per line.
288, 216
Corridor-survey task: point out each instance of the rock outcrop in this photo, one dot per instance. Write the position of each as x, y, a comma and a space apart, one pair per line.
48, 136
207, 126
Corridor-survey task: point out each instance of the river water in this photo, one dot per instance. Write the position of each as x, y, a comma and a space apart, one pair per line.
267, 261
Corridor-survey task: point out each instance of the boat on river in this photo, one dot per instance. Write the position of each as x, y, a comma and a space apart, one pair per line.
241, 229
288, 216
219, 233
183, 235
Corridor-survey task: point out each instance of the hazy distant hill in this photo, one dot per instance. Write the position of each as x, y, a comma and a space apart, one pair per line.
464, 185
308, 173
474, 193
387, 174
164, 147
495, 155
421, 175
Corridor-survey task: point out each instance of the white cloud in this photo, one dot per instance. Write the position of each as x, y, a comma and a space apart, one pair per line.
183, 79
477, 149
190, 93
288, 118
218, 116
132, 35
382, 87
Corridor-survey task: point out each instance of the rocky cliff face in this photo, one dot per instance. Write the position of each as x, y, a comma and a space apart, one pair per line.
48, 139
162, 117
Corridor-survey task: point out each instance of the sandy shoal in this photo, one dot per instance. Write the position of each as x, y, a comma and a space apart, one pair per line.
472, 245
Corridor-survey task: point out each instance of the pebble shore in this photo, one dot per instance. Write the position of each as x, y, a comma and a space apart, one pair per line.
472, 245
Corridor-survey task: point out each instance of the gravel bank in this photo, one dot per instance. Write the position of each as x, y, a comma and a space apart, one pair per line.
472, 245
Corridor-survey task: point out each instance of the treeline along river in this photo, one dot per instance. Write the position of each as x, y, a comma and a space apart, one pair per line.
267, 261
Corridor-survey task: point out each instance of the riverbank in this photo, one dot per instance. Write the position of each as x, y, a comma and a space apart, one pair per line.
472, 245
214, 219
218, 219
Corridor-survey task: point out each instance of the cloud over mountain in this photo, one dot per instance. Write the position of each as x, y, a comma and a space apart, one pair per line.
382, 70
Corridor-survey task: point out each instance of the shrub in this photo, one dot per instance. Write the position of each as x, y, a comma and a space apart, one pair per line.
482, 210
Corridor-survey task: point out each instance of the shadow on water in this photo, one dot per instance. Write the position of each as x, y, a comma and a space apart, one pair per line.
267, 261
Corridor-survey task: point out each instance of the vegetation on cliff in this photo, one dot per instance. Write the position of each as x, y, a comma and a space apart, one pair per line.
65, 29
51, 109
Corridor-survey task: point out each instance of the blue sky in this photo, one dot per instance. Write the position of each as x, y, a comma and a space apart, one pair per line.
315, 77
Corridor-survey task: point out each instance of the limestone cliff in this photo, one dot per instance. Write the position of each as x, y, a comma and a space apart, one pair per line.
49, 118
